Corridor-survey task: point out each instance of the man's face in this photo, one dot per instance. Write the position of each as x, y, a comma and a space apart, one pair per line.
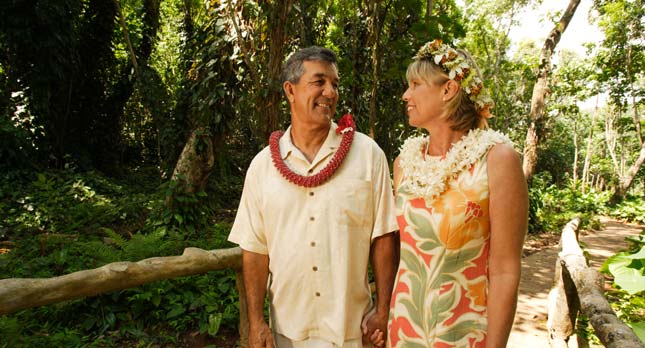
313, 99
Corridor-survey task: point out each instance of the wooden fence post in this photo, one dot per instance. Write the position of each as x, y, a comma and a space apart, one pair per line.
563, 304
244, 320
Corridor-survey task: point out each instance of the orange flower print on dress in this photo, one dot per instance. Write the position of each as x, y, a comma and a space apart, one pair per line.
463, 219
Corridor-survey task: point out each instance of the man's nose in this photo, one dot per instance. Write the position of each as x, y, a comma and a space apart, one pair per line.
330, 91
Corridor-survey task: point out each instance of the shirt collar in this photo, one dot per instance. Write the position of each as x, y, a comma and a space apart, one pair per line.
332, 142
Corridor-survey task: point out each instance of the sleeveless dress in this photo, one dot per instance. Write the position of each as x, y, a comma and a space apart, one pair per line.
439, 297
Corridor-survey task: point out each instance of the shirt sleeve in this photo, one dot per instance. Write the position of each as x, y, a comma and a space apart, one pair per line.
384, 207
248, 230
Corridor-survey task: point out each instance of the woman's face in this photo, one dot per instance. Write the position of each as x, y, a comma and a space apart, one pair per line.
424, 103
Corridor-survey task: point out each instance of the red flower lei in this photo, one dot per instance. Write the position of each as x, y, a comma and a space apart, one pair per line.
345, 126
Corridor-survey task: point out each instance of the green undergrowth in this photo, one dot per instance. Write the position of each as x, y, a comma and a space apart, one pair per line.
631, 209
551, 206
58, 222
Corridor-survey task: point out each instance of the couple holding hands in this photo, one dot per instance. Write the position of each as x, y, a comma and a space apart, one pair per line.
318, 207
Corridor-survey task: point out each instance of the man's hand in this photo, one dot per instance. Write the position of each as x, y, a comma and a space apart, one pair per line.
374, 327
260, 336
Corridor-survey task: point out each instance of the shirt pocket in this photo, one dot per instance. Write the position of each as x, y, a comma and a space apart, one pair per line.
351, 201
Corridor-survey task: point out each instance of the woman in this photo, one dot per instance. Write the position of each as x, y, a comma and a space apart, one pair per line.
462, 207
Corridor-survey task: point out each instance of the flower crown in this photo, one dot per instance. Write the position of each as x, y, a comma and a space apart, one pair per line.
458, 69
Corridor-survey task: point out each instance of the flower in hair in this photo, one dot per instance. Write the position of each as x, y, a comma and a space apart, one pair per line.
458, 69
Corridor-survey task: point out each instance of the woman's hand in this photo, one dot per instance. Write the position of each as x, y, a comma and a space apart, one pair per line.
374, 326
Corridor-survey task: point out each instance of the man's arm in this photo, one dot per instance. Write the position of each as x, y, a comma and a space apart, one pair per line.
255, 272
384, 260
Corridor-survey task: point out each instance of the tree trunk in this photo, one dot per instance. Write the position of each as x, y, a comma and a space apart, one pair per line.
575, 156
611, 139
585, 168
126, 36
636, 117
195, 162
627, 180
375, 38
277, 39
541, 89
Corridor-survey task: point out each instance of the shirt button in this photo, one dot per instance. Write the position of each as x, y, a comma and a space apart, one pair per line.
314, 268
313, 244
317, 294
311, 218
311, 193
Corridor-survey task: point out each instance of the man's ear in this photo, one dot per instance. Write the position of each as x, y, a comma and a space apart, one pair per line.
450, 89
288, 91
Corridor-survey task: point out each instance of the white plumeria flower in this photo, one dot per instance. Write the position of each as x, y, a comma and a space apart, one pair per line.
427, 177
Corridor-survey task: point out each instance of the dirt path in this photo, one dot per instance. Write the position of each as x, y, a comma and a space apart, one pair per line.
529, 330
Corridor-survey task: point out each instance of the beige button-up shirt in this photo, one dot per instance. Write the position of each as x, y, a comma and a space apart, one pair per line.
318, 239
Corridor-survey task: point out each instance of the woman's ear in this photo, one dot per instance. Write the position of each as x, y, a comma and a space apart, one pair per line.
288, 91
450, 89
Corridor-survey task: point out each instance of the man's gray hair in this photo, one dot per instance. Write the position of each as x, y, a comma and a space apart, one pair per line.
293, 68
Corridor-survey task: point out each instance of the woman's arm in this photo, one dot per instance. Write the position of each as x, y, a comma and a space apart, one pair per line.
509, 222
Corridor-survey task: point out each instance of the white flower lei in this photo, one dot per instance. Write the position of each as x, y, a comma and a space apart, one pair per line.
427, 177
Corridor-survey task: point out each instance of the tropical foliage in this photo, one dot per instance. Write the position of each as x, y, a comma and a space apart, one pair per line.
126, 127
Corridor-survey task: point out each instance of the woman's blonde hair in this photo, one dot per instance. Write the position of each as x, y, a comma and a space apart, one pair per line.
460, 110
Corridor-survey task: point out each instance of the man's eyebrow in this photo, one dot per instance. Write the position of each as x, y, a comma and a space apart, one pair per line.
323, 75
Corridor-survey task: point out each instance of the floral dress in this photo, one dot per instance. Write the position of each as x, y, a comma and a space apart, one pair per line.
439, 297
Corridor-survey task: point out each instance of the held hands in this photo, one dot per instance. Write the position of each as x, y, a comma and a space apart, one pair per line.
260, 336
374, 327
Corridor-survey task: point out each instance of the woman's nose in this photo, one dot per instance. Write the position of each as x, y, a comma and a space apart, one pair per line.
406, 95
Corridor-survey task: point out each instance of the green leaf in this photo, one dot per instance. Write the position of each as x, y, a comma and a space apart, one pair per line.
639, 330
214, 322
179, 218
156, 300
176, 311
640, 255
628, 278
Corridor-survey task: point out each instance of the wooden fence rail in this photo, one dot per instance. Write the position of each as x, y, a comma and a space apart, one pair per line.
21, 293
578, 287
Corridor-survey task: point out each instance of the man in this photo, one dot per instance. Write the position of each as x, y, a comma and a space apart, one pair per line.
317, 205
